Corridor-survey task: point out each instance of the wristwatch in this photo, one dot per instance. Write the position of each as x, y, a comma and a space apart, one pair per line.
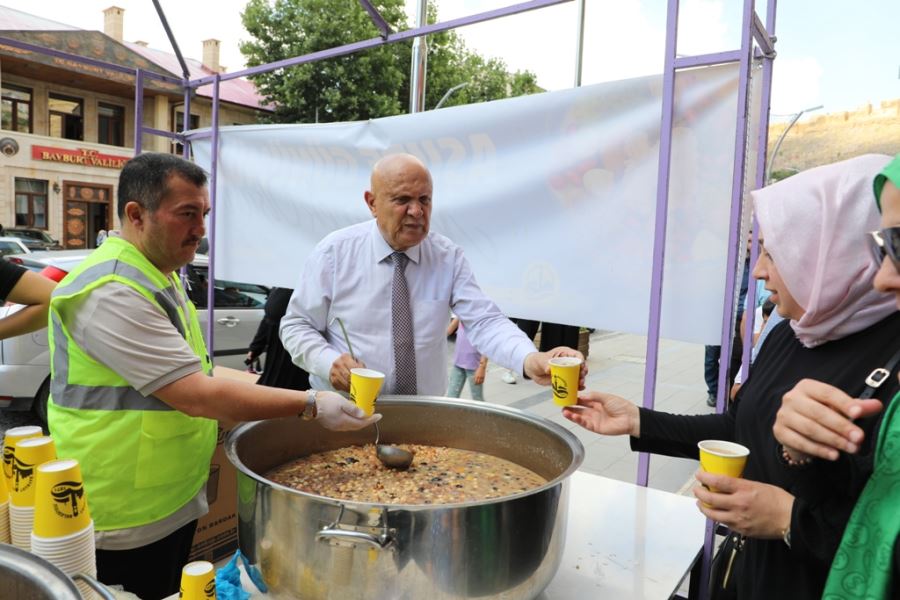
310, 410
786, 536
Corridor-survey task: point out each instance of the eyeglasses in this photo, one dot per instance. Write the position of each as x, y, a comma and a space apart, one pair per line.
886, 243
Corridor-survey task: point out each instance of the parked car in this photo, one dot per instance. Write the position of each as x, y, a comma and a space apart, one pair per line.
25, 360
12, 246
35, 239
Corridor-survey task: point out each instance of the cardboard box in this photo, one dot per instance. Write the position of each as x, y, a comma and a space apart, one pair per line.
216, 536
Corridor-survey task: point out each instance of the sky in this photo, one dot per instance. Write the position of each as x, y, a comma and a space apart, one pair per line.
623, 38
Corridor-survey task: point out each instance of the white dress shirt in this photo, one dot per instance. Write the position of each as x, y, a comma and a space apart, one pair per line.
349, 275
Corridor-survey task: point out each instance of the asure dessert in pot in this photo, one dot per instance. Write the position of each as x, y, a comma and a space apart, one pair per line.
438, 475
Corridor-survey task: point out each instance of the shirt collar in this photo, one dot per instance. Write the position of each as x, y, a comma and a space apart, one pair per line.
382, 250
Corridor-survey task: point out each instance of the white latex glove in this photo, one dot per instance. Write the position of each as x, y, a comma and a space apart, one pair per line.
339, 414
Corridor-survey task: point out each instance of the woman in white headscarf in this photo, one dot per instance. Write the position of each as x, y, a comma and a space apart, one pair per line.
837, 329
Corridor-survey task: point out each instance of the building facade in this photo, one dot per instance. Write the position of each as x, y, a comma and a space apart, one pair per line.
67, 128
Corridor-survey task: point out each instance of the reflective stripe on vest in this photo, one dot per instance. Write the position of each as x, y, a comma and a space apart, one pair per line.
106, 397
167, 298
92, 397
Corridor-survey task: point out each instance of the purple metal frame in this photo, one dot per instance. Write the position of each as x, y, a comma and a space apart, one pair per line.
761, 159
211, 235
388, 39
662, 210
752, 30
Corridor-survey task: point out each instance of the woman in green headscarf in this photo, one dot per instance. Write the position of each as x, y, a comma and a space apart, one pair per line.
816, 420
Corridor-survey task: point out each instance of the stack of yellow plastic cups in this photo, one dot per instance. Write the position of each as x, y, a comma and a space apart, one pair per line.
198, 581
29, 454
4, 512
10, 439
63, 529
9, 447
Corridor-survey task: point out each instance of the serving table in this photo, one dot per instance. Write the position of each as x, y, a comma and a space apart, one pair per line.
626, 541
623, 541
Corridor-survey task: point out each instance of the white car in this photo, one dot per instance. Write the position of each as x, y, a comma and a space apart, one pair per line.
25, 360
12, 246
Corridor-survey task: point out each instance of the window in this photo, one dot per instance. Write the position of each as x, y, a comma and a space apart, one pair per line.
66, 117
178, 124
16, 108
31, 203
10, 248
228, 294
110, 124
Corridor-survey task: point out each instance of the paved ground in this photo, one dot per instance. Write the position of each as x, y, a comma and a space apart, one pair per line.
616, 365
10, 419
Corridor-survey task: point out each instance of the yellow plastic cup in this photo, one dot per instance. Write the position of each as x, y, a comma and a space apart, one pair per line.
364, 387
28, 455
198, 581
723, 458
4, 491
60, 506
564, 373
9, 447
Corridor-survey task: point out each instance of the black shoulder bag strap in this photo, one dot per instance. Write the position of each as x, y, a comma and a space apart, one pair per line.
879, 376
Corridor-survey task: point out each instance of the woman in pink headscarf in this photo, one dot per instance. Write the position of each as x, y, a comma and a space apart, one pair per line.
837, 329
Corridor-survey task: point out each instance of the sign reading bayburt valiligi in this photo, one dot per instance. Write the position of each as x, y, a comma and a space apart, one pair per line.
79, 156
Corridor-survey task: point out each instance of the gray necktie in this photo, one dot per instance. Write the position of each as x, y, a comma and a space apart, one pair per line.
402, 329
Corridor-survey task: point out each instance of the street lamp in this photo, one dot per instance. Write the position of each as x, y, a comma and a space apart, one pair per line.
448, 92
781, 139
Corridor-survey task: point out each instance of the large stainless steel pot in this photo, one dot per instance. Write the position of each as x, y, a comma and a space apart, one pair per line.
24, 576
312, 547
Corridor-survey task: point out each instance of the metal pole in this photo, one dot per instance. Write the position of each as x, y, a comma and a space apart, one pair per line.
138, 111
659, 236
448, 92
165, 24
781, 139
761, 149
579, 42
419, 63
186, 122
211, 269
737, 195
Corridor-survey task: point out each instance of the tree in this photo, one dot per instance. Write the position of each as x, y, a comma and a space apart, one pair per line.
368, 84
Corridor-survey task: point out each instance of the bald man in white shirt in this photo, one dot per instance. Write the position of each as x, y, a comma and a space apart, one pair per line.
349, 275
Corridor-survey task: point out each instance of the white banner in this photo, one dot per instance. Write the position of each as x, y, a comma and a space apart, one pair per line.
552, 196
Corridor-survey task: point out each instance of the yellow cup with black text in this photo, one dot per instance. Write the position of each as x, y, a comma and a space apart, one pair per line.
364, 387
723, 458
28, 455
4, 491
60, 504
564, 374
10, 438
198, 581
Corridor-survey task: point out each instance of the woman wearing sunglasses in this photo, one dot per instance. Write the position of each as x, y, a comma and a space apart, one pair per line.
819, 422
836, 330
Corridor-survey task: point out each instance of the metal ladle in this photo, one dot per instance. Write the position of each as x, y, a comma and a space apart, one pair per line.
390, 456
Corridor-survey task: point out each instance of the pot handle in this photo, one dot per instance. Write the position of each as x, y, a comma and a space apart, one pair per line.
377, 541
95, 585
333, 532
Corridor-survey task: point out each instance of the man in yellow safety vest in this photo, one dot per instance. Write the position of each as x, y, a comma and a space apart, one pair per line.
130, 394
